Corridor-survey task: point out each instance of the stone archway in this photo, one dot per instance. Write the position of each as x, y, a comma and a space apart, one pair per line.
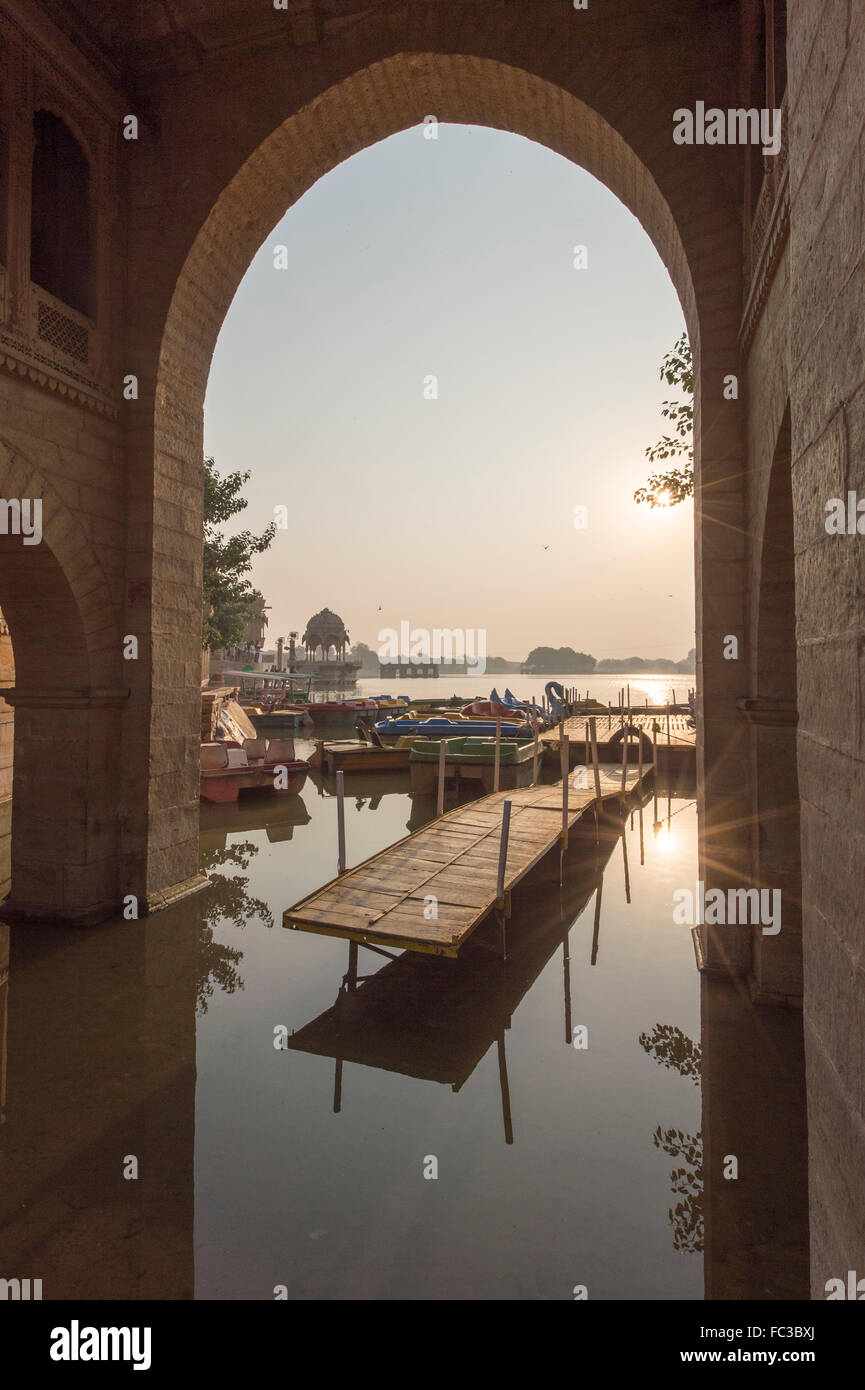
251, 176
66, 700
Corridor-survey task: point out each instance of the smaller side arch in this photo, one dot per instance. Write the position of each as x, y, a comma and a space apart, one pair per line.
67, 704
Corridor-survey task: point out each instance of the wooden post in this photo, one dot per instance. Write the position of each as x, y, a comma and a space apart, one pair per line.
443, 752
668, 726
503, 850
596, 929
505, 1089
497, 765
594, 736
535, 754
566, 973
640, 764
340, 823
625, 861
655, 772
624, 760
587, 748
629, 704
500, 879
565, 772
352, 967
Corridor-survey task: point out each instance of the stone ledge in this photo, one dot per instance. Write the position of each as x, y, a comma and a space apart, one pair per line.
64, 699
761, 710
167, 897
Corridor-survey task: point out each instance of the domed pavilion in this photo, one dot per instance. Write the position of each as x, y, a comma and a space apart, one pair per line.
324, 631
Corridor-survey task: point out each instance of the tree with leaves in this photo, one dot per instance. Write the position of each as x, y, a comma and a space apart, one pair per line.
229, 598
673, 486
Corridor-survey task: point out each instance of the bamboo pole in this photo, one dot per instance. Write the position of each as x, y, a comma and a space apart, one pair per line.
340, 822
443, 751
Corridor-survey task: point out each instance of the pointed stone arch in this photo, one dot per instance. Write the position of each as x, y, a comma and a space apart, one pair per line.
192, 261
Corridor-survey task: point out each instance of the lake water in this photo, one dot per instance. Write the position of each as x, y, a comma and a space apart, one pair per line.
259, 1168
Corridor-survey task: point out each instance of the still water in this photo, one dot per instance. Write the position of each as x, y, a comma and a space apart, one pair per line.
156, 1144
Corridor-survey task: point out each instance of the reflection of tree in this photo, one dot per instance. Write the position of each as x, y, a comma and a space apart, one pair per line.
225, 901
674, 1049
686, 1217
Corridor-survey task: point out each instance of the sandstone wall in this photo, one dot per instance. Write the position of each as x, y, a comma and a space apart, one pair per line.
827, 395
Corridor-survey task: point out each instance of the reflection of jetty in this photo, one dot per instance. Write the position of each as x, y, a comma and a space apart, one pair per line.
435, 1019
431, 890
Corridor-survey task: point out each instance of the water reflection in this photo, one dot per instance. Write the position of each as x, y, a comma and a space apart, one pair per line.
435, 1019
550, 1171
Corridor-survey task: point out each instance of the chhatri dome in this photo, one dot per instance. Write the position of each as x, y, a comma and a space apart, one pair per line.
325, 630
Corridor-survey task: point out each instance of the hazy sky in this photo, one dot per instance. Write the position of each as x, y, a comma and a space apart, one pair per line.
455, 258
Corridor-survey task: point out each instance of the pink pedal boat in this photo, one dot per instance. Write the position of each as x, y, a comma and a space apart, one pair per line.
228, 767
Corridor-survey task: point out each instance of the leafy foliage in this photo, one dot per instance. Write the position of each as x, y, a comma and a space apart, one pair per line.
686, 1217
667, 489
674, 1049
229, 598
227, 900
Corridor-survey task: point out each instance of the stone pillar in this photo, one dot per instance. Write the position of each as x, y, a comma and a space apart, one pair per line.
65, 805
723, 765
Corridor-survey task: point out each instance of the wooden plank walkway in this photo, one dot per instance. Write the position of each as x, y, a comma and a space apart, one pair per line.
682, 734
455, 859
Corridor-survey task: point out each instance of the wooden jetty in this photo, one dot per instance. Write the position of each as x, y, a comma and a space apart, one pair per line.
429, 891
674, 737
